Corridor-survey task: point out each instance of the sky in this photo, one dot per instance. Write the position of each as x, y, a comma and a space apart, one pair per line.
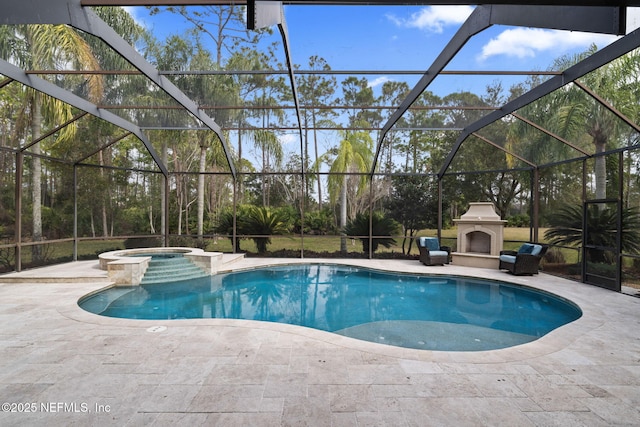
410, 38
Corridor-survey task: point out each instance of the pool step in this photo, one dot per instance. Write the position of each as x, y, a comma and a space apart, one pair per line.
171, 269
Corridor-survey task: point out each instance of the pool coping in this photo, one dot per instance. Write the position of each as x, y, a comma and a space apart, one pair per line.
558, 339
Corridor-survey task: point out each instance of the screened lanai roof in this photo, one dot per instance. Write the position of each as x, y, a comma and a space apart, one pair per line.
193, 103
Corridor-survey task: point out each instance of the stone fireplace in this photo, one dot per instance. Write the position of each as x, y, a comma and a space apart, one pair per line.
480, 236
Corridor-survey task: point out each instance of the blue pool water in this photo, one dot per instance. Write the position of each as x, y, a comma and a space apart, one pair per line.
413, 311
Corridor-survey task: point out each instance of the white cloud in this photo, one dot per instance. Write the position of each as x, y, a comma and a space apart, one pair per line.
633, 18
133, 11
288, 138
434, 18
377, 82
528, 42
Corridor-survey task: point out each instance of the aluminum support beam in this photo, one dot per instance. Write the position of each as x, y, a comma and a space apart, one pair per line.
600, 20
262, 14
535, 205
604, 20
57, 92
71, 12
75, 212
18, 208
294, 90
597, 60
230, 72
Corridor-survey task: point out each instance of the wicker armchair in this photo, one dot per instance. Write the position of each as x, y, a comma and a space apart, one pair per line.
525, 261
431, 253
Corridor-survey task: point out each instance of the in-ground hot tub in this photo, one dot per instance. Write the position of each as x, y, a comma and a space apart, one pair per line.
127, 267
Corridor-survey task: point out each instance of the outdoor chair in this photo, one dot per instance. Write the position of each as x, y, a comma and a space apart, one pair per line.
431, 253
525, 261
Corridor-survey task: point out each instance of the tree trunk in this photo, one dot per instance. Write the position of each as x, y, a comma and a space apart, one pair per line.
179, 195
315, 146
203, 161
240, 192
105, 225
264, 176
601, 170
343, 216
151, 227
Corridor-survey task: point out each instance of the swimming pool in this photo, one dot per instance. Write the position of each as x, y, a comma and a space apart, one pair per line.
412, 311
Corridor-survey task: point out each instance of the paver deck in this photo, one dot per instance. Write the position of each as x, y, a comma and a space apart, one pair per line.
70, 367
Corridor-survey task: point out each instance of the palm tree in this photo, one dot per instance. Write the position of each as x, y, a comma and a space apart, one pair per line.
225, 224
566, 229
381, 225
46, 47
261, 222
579, 115
353, 155
223, 91
599, 124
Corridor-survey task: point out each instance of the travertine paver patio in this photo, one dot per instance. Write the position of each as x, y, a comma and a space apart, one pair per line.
71, 367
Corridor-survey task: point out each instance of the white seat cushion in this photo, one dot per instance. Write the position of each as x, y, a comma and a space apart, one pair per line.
508, 258
438, 253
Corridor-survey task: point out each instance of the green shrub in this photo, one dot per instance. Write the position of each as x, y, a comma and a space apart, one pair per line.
521, 220
224, 225
319, 222
187, 242
142, 242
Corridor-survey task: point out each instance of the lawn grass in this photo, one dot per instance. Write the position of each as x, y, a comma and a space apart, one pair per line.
54, 252
513, 238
